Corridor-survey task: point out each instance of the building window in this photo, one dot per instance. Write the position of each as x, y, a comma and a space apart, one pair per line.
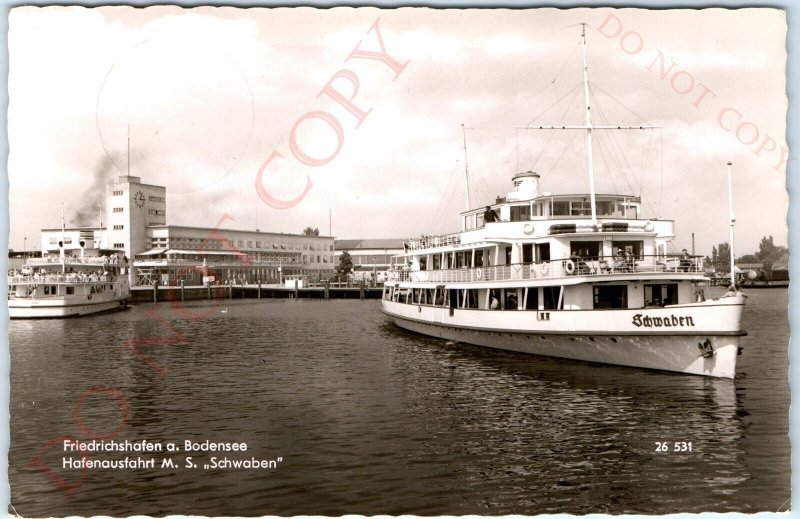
118, 227
155, 198
53, 241
119, 245
116, 193
331, 248
117, 209
158, 212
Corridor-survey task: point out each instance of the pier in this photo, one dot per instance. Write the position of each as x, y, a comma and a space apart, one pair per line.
157, 292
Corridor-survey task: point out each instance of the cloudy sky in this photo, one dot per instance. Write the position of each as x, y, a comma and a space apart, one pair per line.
208, 95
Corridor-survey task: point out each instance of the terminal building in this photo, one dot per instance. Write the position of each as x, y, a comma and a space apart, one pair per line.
136, 216
371, 258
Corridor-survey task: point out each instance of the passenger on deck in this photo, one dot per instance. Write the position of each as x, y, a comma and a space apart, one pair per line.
489, 215
494, 304
620, 262
685, 262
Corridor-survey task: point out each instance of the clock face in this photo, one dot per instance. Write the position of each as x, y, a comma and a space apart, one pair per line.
138, 198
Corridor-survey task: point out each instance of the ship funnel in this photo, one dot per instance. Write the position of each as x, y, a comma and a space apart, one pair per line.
526, 186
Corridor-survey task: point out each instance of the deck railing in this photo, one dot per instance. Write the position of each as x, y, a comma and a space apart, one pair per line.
552, 269
72, 279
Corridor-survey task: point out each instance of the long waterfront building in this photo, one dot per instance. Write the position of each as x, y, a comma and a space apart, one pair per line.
136, 216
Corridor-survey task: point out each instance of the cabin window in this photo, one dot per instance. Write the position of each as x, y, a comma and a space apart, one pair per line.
605, 208
532, 299
527, 253
508, 255
630, 248
542, 252
551, 298
479, 258
520, 213
70, 291
479, 218
537, 210
423, 263
611, 296
560, 208
661, 294
511, 301
586, 249
436, 262
581, 208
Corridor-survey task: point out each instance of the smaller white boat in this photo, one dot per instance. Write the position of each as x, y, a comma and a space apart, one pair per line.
68, 287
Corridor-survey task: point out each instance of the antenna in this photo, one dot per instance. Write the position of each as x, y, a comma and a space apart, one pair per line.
466, 167
129, 150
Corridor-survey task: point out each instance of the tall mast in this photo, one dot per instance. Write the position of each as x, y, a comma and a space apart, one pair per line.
63, 243
733, 220
588, 125
129, 149
466, 170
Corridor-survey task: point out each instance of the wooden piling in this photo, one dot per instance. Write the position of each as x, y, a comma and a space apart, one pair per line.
259, 289
361, 290
182, 288
155, 291
327, 289
296, 290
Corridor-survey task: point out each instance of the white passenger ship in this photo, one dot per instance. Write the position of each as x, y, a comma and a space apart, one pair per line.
68, 287
577, 276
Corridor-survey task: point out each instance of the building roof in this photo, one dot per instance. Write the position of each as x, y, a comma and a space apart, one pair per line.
390, 243
222, 231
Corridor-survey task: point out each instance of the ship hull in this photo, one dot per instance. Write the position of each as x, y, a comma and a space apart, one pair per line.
56, 310
707, 353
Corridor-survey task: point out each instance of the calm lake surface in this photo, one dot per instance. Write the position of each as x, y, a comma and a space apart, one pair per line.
369, 419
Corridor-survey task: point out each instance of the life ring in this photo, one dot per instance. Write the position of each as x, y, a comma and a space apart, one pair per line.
649, 227
479, 273
527, 228
569, 266
545, 268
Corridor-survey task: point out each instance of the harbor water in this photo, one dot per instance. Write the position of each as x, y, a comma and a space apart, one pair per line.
354, 415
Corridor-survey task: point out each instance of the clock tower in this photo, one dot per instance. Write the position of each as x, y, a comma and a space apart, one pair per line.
131, 207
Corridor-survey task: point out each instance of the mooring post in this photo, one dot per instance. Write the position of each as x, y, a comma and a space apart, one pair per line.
155, 291
327, 289
259, 289
208, 289
361, 289
182, 287
296, 290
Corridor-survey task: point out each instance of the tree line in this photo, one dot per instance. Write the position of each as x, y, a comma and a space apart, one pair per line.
768, 253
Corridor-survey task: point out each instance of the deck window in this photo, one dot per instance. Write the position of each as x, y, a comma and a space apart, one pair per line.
560, 208
532, 298
551, 298
581, 208
70, 291
586, 249
611, 296
527, 253
634, 248
661, 294
520, 213
542, 252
